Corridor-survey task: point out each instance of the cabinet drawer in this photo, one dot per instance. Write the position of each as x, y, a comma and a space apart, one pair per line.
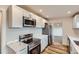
23, 51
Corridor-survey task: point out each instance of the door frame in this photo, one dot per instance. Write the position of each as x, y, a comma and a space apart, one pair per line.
3, 31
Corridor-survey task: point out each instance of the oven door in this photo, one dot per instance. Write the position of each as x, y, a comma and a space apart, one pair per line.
35, 50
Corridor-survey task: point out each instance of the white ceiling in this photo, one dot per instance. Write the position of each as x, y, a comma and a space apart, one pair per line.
55, 11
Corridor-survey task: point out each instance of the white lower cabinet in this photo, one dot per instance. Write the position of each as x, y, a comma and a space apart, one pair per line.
22, 51
72, 49
44, 41
17, 47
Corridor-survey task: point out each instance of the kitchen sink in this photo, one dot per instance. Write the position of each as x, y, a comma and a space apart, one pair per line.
77, 42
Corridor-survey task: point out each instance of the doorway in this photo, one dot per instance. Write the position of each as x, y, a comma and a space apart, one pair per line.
57, 33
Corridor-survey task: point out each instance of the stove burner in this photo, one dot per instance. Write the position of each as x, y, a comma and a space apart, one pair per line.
33, 43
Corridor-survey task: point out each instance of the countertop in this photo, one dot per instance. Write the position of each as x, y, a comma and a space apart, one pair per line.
40, 36
16, 46
72, 39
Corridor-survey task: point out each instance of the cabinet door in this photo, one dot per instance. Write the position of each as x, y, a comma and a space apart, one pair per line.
76, 21
42, 45
72, 49
26, 13
44, 42
39, 22
42, 22
22, 51
17, 16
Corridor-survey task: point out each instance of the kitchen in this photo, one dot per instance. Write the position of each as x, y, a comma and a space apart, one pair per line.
22, 24
19, 27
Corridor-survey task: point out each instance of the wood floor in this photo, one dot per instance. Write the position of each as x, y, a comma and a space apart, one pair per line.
56, 49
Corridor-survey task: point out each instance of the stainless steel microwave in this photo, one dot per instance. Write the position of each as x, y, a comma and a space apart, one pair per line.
28, 22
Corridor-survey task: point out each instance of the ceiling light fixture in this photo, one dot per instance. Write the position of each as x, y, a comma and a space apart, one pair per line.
47, 16
41, 10
68, 12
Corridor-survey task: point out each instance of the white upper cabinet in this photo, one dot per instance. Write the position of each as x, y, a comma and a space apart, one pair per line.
45, 21
15, 16
26, 13
76, 21
39, 22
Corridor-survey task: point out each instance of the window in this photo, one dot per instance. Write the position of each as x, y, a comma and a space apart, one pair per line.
57, 29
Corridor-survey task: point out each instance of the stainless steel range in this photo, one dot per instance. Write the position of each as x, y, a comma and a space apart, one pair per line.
34, 45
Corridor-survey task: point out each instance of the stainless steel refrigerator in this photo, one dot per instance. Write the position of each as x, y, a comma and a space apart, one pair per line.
47, 30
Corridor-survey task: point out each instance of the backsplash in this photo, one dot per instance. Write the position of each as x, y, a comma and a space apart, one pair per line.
13, 34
